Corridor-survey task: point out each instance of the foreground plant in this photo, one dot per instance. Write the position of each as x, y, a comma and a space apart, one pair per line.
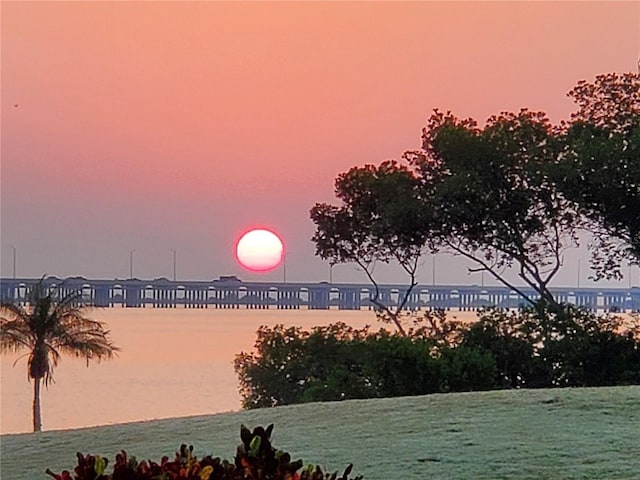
256, 459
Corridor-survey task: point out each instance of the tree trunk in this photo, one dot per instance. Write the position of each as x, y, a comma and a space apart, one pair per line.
37, 420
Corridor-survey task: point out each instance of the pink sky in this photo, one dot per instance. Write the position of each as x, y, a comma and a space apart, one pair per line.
156, 126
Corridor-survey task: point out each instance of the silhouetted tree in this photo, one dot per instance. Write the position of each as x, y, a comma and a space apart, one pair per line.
381, 218
51, 325
512, 195
493, 200
600, 167
484, 193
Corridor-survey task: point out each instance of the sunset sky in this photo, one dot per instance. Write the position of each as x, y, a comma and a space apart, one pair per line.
156, 126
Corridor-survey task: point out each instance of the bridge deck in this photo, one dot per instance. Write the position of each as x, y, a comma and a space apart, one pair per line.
232, 293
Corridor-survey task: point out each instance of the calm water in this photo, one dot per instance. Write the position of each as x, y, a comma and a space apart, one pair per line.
173, 363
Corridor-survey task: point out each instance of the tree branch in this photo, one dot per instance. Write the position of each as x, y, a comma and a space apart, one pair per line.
411, 270
375, 300
489, 269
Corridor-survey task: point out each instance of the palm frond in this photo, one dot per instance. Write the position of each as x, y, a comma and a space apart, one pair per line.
82, 337
86, 341
52, 325
67, 303
14, 335
12, 311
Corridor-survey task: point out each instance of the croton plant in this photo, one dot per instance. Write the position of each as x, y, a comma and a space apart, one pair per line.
256, 459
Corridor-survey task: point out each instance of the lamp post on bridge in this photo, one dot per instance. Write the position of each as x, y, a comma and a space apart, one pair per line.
284, 268
578, 276
174, 263
433, 269
14, 261
131, 252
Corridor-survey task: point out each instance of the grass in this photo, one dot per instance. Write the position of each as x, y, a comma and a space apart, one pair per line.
524, 434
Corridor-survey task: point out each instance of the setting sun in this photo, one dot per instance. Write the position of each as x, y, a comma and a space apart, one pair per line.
259, 250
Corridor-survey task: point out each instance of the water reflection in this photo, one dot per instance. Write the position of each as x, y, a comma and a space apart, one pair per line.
173, 363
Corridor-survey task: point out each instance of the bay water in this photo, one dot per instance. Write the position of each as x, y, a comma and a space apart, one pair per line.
172, 363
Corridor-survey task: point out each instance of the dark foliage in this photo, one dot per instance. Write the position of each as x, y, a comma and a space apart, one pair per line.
291, 365
512, 354
53, 323
512, 194
562, 347
600, 167
381, 218
338, 362
586, 350
493, 201
483, 193
256, 459
465, 369
534, 348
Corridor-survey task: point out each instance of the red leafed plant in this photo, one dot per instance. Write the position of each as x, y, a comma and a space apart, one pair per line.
256, 459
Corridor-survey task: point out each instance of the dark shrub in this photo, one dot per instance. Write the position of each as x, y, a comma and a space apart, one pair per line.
255, 459
291, 365
499, 333
531, 348
401, 366
465, 369
591, 350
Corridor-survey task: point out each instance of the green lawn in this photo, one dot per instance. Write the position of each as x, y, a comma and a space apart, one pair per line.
525, 434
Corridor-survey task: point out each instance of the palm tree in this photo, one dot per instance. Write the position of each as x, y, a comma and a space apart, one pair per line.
53, 323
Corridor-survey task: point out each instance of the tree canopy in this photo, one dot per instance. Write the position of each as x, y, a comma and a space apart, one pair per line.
515, 193
600, 167
381, 219
495, 202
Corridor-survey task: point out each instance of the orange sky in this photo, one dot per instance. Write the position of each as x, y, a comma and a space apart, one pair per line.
156, 126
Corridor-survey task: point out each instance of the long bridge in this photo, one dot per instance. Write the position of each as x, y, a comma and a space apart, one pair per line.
230, 293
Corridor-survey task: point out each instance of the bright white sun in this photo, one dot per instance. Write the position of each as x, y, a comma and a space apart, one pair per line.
259, 250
